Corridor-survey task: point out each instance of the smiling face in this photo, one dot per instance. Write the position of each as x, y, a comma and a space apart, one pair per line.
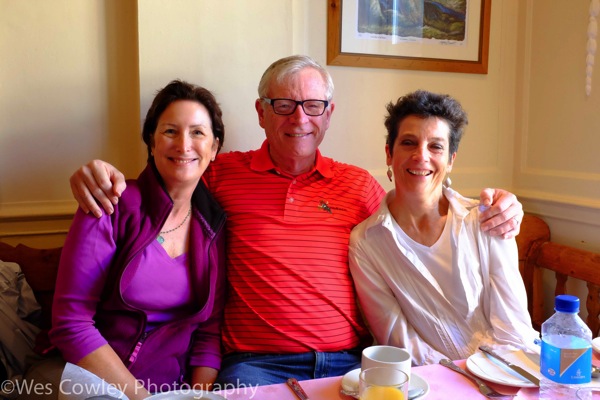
294, 139
420, 156
183, 144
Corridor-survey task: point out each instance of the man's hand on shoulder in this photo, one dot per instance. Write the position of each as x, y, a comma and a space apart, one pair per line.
504, 216
97, 180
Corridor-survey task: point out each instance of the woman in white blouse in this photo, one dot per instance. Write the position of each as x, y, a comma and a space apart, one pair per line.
428, 279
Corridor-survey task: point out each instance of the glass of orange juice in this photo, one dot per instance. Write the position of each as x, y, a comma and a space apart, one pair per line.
383, 383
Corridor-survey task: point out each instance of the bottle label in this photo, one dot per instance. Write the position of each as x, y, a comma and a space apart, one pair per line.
570, 366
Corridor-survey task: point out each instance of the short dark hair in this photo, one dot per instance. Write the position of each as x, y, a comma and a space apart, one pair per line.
181, 90
424, 104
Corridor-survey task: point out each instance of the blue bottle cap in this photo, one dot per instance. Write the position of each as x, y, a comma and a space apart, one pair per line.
566, 303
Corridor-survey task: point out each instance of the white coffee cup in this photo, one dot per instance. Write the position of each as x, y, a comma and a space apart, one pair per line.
386, 356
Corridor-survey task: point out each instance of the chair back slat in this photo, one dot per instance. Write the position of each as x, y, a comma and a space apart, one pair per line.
537, 253
561, 284
593, 307
569, 263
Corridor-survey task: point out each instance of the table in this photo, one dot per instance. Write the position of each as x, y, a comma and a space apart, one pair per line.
442, 381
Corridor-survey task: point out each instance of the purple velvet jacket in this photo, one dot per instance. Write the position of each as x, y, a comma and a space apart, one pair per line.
89, 310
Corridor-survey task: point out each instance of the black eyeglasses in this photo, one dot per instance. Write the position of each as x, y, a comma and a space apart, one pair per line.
313, 108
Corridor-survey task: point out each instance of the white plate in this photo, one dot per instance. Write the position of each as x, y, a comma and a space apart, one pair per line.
490, 369
350, 383
186, 395
596, 344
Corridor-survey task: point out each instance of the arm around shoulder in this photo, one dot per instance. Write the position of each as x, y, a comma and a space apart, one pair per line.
99, 181
503, 215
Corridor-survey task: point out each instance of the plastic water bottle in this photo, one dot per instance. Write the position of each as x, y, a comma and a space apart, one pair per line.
566, 358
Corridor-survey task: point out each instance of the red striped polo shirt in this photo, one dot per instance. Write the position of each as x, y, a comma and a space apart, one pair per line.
290, 288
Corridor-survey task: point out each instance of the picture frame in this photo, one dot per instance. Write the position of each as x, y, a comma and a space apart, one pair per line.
368, 44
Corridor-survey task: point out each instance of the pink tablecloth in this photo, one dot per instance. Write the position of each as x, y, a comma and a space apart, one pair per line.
442, 382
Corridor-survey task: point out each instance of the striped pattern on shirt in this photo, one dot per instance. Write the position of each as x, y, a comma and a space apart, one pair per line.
290, 288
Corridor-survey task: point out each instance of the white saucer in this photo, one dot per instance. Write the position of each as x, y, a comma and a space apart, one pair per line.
350, 383
596, 344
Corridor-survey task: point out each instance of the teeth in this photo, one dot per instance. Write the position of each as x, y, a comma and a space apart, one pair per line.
420, 173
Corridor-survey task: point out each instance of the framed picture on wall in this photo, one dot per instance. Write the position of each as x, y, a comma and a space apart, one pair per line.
430, 35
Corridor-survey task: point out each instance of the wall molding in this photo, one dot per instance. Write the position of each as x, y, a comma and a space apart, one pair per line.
561, 207
38, 224
557, 186
37, 209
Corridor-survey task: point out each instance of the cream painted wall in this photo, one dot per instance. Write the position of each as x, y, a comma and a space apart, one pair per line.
47, 76
68, 84
77, 77
557, 171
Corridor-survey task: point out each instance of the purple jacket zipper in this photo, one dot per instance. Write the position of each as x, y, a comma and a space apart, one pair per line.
137, 348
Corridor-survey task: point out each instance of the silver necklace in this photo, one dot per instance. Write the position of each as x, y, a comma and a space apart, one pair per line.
161, 239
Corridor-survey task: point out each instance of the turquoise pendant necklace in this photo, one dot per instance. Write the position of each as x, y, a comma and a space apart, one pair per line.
160, 237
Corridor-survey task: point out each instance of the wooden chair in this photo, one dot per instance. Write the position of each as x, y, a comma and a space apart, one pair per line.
534, 232
537, 253
567, 262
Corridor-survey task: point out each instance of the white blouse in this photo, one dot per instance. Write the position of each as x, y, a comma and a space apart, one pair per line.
484, 302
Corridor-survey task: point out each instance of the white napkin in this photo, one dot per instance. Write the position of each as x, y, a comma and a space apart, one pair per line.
78, 383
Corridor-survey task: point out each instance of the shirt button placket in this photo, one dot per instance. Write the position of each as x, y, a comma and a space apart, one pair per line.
291, 198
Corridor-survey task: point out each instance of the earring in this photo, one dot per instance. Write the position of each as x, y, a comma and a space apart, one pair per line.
447, 182
389, 173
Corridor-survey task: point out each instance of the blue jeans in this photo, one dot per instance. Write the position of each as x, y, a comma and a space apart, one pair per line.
251, 369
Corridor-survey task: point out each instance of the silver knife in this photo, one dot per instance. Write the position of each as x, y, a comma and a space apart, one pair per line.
521, 371
293, 383
483, 388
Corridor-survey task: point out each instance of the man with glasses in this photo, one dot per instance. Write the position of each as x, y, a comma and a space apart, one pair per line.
291, 309
312, 108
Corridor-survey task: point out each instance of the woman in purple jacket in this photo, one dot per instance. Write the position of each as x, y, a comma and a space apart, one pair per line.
140, 293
